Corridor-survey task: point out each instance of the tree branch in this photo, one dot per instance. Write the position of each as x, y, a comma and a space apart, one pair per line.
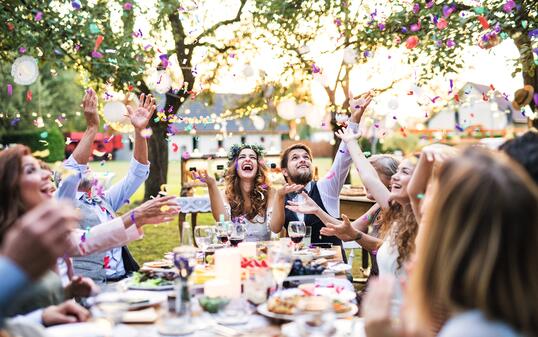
211, 45
216, 26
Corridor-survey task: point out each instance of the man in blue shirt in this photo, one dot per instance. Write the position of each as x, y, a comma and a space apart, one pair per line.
100, 206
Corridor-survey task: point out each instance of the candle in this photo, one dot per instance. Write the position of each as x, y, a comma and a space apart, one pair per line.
228, 269
247, 249
216, 288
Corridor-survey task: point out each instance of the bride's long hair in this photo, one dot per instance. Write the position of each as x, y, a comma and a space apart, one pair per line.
258, 195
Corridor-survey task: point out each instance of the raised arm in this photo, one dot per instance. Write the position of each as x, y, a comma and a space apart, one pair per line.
77, 162
278, 216
431, 155
118, 194
215, 197
367, 172
331, 185
139, 119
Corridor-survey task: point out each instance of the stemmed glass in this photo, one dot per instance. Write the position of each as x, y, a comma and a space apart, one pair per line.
238, 234
297, 231
221, 231
279, 258
203, 235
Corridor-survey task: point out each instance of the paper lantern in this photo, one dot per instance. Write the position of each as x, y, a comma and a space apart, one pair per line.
248, 71
160, 81
315, 117
25, 70
350, 56
286, 109
393, 103
114, 112
259, 122
303, 109
411, 42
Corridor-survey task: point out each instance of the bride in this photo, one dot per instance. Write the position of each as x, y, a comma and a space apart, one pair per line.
247, 191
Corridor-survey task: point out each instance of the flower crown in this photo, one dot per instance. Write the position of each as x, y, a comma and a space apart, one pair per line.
237, 148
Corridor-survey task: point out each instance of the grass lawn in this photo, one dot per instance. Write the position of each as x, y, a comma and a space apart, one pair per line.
162, 238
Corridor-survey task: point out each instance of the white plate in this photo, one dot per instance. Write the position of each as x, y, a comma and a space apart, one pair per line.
152, 288
137, 299
79, 330
325, 253
338, 268
343, 296
262, 309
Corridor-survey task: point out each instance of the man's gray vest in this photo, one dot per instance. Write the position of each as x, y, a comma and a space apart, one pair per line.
92, 266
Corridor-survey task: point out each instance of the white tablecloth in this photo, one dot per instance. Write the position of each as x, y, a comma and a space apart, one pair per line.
194, 204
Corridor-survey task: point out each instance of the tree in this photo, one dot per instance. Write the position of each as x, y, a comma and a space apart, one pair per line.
111, 53
436, 32
294, 25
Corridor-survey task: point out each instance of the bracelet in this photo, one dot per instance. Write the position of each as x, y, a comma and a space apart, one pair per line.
358, 237
133, 218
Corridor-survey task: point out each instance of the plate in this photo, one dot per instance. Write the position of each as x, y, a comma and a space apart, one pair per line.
338, 268
150, 288
325, 253
79, 330
136, 299
262, 310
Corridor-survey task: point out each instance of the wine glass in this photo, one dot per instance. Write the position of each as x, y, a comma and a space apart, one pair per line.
279, 258
203, 236
296, 231
221, 231
238, 234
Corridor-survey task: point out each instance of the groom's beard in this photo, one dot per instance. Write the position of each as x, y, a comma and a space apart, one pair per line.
301, 178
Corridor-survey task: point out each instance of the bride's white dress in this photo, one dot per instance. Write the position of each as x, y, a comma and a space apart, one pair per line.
257, 228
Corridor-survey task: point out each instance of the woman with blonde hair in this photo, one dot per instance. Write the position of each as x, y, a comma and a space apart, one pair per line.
476, 261
247, 191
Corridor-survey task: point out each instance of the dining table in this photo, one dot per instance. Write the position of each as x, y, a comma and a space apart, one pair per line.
154, 320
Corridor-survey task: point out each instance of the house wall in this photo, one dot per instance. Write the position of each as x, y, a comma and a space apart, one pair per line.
445, 119
208, 144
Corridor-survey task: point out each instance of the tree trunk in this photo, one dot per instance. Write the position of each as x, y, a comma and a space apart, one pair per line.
158, 148
530, 70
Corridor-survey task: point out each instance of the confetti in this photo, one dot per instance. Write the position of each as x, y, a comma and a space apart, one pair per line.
83, 237
38, 16
127, 6
98, 41
106, 261
98, 153
9, 90
442, 24
185, 155
175, 147
483, 22
75, 4
415, 27
315, 69
435, 99
164, 60
22, 50
420, 196
146, 133
411, 42
29, 95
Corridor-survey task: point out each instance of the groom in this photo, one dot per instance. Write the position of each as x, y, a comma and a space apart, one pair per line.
296, 165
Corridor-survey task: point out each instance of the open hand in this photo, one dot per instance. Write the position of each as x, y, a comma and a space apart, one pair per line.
347, 135
289, 188
157, 210
89, 106
308, 206
438, 152
203, 177
341, 229
142, 114
357, 105
67, 312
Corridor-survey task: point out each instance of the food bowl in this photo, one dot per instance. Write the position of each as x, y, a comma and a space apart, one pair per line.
213, 304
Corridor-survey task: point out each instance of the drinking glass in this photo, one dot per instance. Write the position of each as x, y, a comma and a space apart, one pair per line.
203, 235
238, 234
296, 231
221, 231
308, 236
279, 259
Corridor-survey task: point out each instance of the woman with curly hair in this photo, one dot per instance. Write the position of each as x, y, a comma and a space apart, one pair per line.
247, 191
399, 227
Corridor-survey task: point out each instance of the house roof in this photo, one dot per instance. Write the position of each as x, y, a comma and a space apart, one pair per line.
220, 103
502, 102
